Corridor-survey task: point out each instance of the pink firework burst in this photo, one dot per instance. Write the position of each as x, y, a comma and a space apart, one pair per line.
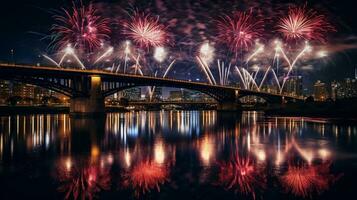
239, 30
145, 30
304, 24
81, 26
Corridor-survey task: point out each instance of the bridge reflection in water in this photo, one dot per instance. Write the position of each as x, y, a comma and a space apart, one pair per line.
177, 154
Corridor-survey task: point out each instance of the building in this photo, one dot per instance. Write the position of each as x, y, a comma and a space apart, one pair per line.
293, 86
334, 89
320, 91
23, 90
344, 89
5, 91
175, 95
133, 94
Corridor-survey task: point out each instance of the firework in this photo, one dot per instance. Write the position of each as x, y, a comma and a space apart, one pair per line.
105, 54
241, 176
145, 30
145, 177
160, 54
81, 26
239, 30
82, 182
206, 52
306, 180
304, 24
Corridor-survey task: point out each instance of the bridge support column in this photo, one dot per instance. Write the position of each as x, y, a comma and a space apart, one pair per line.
229, 106
92, 103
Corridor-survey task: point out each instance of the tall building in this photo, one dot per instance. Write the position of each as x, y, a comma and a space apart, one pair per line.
293, 86
344, 89
334, 90
320, 91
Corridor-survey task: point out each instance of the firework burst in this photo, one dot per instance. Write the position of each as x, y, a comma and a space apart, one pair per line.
81, 26
82, 181
305, 180
304, 24
242, 176
239, 30
145, 30
145, 176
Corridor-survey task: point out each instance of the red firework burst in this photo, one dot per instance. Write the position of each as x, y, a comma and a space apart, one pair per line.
83, 182
239, 30
145, 176
145, 30
81, 26
241, 176
305, 180
304, 24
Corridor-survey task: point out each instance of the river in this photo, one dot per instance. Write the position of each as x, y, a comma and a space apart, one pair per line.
177, 155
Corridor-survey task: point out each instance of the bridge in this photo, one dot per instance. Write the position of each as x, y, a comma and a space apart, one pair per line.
87, 89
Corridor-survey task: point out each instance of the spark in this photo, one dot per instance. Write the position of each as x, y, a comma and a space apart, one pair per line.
82, 26
239, 30
260, 49
321, 54
160, 54
304, 24
206, 52
105, 54
126, 52
145, 30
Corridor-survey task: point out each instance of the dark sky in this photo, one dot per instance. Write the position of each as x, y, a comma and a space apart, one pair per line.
22, 21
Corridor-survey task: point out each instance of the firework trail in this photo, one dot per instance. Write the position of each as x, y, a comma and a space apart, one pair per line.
239, 30
105, 54
145, 30
51, 60
81, 26
307, 48
223, 72
304, 24
205, 70
264, 77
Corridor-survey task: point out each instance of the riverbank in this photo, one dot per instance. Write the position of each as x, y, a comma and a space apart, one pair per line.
9, 110
338, 109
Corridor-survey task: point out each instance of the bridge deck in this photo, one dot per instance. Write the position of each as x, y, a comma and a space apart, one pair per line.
108, 76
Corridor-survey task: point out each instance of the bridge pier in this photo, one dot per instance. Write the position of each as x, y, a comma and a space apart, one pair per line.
93, 102
229, 106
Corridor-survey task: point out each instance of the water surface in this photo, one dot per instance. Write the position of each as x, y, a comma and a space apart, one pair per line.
176, 155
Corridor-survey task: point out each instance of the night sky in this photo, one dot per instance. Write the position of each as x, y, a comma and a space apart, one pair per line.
24, 24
